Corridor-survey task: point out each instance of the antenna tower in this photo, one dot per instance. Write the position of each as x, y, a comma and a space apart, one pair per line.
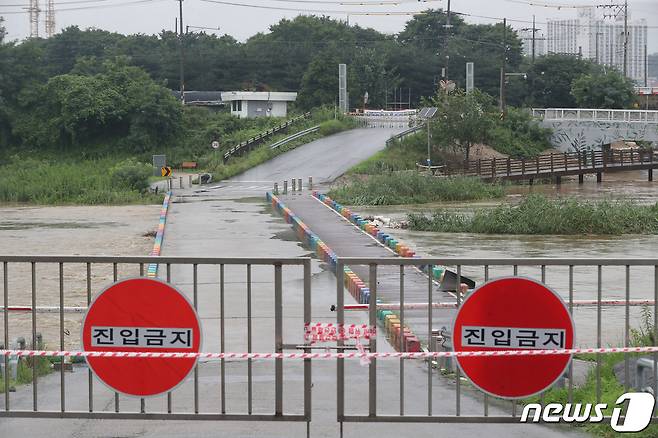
34, 18
50, 18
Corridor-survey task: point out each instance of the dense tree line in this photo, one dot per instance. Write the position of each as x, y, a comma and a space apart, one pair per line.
82, 85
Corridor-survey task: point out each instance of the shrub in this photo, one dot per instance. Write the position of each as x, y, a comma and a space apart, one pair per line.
131, 174
331, 127
538, 215
412, 188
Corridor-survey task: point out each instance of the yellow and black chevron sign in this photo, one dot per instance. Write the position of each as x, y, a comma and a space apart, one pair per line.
166, 171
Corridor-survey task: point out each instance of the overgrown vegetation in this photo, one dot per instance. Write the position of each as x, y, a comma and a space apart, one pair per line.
25, 369
412, 188
61, 180
539, 215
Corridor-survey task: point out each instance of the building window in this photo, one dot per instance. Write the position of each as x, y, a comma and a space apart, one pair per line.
236, 106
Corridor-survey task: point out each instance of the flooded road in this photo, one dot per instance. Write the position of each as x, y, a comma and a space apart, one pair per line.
98, 230
628, 185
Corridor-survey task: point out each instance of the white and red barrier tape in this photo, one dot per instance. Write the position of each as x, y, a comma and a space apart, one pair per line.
348, 307
449, 305
327, 355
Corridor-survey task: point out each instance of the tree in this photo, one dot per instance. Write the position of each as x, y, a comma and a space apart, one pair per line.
120, 106
548, 81
603, 90
463, 119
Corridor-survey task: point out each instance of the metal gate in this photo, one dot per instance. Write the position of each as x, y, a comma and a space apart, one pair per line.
248, 305
240, 302
401, 390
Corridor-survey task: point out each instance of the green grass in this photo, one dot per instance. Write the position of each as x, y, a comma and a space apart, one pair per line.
540, 215
412, 188
398, 155
65, 180
263, 153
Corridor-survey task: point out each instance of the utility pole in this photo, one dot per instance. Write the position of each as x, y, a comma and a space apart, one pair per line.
625, 37
646, 66
447, 27
616, 10
534, 30
533, 38
502, 70
182, 52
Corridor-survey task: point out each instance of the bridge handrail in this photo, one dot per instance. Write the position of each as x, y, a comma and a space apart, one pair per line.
554, 162
597, 115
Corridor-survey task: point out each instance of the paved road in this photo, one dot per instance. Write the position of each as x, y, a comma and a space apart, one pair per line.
324, 159
228, 223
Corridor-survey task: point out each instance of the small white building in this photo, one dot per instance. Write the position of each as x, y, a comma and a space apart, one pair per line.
250, 104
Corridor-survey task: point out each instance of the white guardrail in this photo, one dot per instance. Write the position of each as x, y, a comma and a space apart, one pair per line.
596, 115
295, 136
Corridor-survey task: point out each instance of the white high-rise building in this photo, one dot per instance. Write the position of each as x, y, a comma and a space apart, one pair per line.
601, 39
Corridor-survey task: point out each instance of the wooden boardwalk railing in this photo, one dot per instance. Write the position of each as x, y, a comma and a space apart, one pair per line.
555, 165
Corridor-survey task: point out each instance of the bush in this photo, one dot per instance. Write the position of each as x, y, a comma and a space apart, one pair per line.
131, 175
539, 215
330, 127
519, 136
413, 188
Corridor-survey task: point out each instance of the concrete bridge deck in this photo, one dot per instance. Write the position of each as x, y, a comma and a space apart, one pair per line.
346, 240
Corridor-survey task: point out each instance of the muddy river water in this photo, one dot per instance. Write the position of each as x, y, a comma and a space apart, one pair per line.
628, 185
66, 231
121, 231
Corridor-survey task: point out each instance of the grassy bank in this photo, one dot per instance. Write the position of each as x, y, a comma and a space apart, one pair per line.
263, 153
398, 155
540, 215
62, 180
412, 188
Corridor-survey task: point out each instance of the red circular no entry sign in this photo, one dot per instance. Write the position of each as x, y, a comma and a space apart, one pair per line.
513, 314
146, 315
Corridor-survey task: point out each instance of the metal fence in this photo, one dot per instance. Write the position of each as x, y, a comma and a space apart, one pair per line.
592, 289
240, 302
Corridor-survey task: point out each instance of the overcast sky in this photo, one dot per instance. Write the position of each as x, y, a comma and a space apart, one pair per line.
151, 16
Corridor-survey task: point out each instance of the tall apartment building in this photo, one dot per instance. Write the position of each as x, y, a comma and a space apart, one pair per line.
601, 39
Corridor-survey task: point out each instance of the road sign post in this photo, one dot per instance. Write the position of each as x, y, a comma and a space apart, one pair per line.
165, 171
144, 315
513, 314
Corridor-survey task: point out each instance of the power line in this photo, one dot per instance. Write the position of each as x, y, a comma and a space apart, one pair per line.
114, 5
75, 2
356, 3
317, 11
